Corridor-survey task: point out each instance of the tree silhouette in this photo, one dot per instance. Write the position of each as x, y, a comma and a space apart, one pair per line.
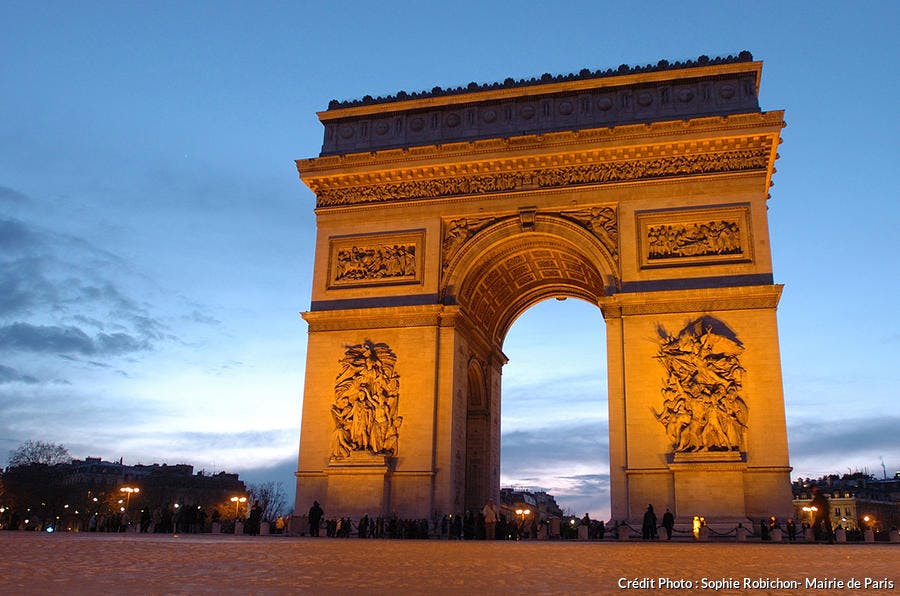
39, 452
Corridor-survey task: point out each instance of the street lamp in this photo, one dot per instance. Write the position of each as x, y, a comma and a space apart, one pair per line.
237, 501
522, 513
812, 514
128, 490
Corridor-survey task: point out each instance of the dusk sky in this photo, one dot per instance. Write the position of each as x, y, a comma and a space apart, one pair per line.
156, 245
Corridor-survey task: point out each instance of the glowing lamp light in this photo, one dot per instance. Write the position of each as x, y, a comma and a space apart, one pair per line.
237, 503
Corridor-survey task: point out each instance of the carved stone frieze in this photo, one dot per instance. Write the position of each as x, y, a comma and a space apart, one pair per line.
703, 407
555, 177
602, 223
376, 262
694, 240
366, 393
375, 259
702, 236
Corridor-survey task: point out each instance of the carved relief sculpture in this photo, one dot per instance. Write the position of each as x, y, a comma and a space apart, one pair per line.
458, 231
596, 173
703, 409
694, 240
366, 393
375, 262
602, 222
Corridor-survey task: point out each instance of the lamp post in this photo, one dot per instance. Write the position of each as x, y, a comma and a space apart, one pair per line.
522, 513
812, 514
129, 490
237, 503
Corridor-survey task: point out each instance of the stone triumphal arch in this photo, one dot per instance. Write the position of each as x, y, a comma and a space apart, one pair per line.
442, 216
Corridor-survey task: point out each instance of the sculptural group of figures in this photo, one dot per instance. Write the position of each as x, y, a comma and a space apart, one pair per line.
365, 402
375, 262
694, 240
702, 408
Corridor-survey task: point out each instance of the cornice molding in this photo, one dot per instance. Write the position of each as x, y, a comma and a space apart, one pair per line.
374, 318
448, 154
680, 301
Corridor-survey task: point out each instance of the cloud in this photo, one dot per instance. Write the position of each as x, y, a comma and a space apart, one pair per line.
11, 375
55, 339
62, 296
824, 441
280, 471
8, 195
14, 236
568, 460
555, 446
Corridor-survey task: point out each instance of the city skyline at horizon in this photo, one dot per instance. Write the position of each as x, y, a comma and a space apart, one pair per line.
157, 247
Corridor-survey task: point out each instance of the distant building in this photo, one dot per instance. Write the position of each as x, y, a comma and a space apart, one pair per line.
851, 499
67, 495
540, 503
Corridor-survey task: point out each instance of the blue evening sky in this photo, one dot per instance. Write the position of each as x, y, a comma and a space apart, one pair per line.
156, 245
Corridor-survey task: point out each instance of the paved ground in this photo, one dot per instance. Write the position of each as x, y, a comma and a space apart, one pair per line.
33, 563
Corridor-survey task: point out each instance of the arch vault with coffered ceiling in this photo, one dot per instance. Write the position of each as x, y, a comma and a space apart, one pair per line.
442, 216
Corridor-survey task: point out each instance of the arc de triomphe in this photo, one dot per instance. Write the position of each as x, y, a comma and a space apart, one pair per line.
442, 216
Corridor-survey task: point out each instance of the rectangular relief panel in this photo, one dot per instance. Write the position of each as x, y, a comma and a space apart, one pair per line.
376, 259
695, 237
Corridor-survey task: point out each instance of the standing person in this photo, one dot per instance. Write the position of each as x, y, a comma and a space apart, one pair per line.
315, 518
791, 529
255, 519
822, 524
668, 522
490, 514
648, 528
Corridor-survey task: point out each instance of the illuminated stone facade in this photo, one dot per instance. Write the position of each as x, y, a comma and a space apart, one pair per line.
441, 217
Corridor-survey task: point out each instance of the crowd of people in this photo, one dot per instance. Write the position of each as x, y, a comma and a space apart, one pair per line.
494, 523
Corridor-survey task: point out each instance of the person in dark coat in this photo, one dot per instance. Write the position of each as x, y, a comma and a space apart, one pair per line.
791, 529
254, 520
648, 528
315, 518
668, 522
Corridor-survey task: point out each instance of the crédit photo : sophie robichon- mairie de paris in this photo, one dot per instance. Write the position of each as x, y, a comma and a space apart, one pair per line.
755, 583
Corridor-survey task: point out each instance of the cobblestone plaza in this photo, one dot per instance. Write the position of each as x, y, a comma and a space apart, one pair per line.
34, 563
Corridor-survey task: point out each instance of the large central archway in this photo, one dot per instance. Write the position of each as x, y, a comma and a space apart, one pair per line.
504, 269
554, 427
442, 217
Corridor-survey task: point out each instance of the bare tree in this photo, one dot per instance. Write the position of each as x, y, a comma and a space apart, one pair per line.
39, 452
271, 498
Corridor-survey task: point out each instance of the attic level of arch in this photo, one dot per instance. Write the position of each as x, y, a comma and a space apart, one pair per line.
552, 106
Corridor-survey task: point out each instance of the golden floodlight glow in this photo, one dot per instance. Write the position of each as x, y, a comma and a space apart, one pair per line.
128, 490
237, 501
